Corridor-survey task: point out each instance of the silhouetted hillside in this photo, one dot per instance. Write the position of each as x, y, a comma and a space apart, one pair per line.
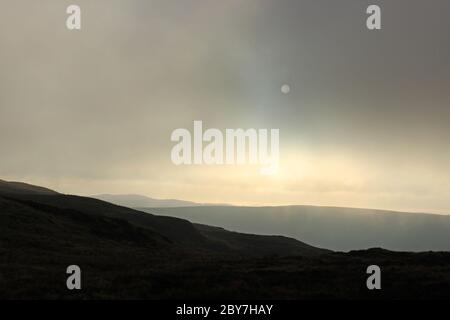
174, 230
126, 254
7, 187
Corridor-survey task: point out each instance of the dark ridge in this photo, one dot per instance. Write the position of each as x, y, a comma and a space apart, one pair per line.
10, 187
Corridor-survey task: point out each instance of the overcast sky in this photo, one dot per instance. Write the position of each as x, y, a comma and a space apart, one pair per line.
366, 123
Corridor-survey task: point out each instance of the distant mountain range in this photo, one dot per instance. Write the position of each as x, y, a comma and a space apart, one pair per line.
139, 201
341, 229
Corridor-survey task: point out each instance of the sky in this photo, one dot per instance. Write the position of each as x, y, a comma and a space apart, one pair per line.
366, 122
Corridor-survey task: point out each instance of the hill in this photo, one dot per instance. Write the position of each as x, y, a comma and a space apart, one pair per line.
174, 230
126, 254
9, 187
136, 201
